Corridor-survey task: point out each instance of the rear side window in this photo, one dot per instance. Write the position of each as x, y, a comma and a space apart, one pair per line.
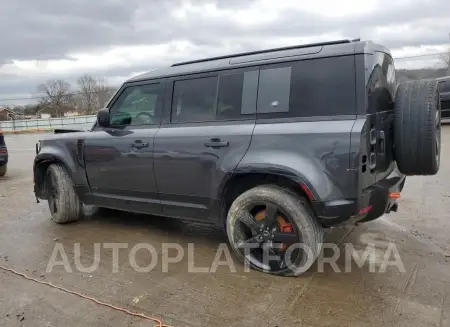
229, 96
318, 87
194, 100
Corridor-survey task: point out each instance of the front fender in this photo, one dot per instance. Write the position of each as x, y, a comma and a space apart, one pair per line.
54, 154
63, 152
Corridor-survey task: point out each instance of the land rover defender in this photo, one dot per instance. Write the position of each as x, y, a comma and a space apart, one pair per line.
274, 145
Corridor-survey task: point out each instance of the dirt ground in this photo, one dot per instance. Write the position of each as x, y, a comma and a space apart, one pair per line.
418, 296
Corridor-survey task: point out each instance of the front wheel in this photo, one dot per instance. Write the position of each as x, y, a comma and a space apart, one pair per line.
63, 202
274, 231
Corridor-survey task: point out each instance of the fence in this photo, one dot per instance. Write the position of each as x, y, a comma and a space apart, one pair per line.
76, 122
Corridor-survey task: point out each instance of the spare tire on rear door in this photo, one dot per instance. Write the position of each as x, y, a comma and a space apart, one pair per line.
417, 127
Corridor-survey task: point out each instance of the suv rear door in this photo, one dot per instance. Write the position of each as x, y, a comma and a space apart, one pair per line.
205, 133
381, 87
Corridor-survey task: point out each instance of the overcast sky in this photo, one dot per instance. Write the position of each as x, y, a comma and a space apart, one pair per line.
44, 39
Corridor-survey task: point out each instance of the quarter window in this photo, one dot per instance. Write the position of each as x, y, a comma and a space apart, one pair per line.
323, 87
306, 88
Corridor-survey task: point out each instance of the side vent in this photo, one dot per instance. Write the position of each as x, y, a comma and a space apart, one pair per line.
373, 143
364, 163
80, 152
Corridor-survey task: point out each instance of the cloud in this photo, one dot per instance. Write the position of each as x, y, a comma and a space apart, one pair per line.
117, 38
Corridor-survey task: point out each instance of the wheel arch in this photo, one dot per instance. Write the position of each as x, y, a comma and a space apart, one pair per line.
40, 166
240, 182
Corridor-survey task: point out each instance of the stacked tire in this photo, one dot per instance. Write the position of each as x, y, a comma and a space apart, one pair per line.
417, 127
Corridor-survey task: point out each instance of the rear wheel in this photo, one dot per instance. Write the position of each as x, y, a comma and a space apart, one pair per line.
274, 231
3, 169
63, 202
417, 127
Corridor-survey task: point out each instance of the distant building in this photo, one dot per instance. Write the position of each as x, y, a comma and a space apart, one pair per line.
7, 114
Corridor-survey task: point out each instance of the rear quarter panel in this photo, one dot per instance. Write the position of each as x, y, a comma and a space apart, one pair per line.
316, 153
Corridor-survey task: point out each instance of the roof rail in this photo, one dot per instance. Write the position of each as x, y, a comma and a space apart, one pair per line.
300, 46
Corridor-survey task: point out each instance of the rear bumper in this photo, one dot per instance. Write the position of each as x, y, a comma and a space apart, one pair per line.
373, 203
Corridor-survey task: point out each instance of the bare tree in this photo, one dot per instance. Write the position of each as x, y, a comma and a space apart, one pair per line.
87, 93
93, 93
446, 60
104, 94
56, 96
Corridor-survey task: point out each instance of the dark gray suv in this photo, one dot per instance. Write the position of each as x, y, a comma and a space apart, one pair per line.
274, 145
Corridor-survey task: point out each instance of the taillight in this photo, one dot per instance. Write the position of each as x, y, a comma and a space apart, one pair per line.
394, 195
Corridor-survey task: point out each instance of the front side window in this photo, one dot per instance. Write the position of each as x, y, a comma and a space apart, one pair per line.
137, 105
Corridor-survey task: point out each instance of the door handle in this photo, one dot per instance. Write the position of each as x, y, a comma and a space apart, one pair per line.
138, 144
216, 143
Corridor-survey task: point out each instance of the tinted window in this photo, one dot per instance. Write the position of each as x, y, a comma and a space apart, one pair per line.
137, 105
274, 86
319, 87
381, 85
194, 100
323, 87
229, 98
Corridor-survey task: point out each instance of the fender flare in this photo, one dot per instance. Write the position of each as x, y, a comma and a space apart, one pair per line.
279, 170
46, 156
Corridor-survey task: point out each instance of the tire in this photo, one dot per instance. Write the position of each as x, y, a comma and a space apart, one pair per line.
3, 169
301, 216
417, 134
63, 202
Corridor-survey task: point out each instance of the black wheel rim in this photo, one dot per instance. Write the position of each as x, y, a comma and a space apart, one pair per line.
264, 242
53, 194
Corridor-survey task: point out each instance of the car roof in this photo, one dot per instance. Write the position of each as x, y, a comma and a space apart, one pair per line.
254, 58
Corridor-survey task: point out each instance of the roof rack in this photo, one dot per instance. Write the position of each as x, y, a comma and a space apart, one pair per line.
265, 51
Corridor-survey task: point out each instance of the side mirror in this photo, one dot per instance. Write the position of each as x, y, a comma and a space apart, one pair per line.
103, 117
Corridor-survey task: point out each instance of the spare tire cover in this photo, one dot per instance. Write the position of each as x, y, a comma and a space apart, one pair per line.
417, 127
